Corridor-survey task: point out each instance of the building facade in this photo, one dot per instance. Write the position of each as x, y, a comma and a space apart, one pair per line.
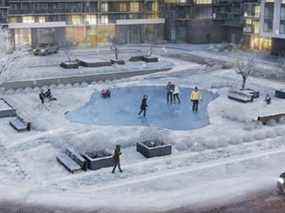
273, 24
252, 27
3, 12
229, 14
190, 21
84, 23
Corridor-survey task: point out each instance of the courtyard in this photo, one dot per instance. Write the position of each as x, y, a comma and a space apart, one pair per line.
217, 155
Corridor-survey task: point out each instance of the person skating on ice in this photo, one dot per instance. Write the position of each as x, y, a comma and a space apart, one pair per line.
195, 98
143, 107
176, 94
169, 92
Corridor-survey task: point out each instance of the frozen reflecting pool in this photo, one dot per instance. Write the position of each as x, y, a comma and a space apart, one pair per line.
122, 109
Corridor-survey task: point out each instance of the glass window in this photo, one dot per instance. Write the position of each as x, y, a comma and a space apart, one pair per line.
104, 20
42, 19
91, 19
28, 19
134, 6
104, 7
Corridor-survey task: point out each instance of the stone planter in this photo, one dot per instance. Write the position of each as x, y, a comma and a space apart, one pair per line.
69, 65
93, 63
120, 62
136, 58
144, 58
98, 160
151, 149
150, 59
280, 94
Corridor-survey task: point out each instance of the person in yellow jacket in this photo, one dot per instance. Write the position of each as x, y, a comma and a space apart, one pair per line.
195, 98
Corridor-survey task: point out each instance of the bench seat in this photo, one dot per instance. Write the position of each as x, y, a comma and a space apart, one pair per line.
20, 125
68, 163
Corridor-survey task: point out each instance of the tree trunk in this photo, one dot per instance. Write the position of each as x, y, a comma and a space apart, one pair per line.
244, 78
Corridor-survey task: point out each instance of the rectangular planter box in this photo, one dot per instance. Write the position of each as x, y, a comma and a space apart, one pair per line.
156, 151
150, 59
120, 62
6, 110
93, 63
144, 58
70, 65
136, 58
280, 93
98, 162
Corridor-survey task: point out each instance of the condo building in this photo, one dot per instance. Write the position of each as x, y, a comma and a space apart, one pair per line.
84, 23
273, 24
3, 11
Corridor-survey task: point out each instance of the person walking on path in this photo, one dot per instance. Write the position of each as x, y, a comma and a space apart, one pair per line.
267, 99
144, 106
195, 98
176, 93
169, 92
116, 158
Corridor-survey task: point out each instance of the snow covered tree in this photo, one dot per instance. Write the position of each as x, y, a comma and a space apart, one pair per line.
245, 68
114, 47
67, 50
149, 51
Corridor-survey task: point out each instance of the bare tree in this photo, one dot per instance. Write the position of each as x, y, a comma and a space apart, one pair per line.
245, 68
149, 51
114, 47
67, 50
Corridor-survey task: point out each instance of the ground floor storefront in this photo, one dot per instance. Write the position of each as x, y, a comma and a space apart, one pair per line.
124, 32
258, 43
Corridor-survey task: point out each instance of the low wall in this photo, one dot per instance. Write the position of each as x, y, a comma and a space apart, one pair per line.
76, 79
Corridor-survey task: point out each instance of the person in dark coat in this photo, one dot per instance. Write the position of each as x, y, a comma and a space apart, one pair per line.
42, 97
144, 106
169, 92
116, 158
267, 99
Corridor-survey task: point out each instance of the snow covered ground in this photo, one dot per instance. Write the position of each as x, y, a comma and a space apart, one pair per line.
229, 157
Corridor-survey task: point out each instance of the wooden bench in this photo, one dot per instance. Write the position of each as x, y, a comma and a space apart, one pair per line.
75, 156
20, 125
72, 160
265, 119
68, 163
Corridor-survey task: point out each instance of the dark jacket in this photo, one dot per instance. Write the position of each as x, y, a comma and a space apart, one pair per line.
144, 103
116, 155
170, 87
42, 96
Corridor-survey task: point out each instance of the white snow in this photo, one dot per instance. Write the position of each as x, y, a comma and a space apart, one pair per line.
228, 158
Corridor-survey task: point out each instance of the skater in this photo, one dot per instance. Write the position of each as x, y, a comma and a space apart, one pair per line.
42, 97
176, 93
143, 106
170, 90
195, 98
116, 158
267, 99
106, 93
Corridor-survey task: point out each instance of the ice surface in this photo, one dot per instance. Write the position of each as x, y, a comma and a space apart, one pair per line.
122, 108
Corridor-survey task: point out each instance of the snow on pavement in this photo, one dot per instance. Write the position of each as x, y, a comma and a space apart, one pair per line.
231, 156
